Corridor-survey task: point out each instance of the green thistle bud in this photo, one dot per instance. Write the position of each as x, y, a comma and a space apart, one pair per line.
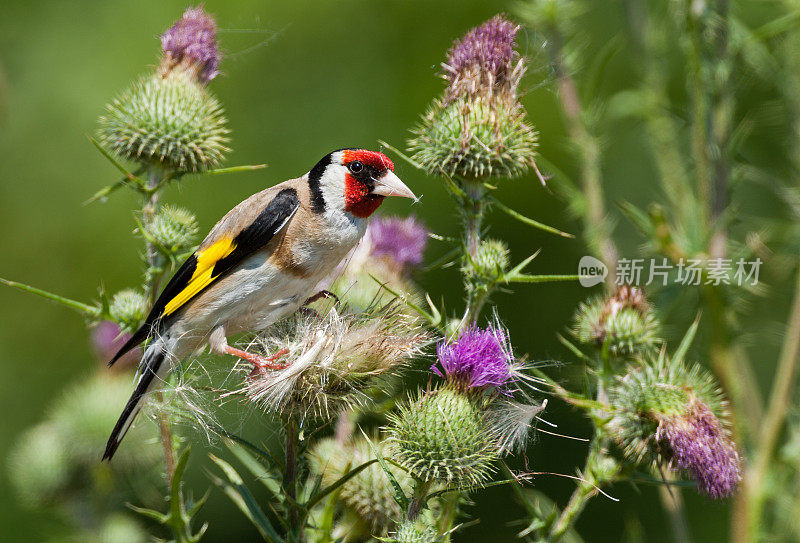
170, 121
369, 494
491, 260
128, 308
414, 532
473, 138
667, 413
174, 228
443, 436
624, 322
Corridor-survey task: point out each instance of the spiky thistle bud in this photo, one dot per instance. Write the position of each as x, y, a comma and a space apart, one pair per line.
414, 532
478, 359
334, 360
444, 436
174, 228
478, 128
668, 414
128, 308
490, 261
169, 119
369, 494
624, 322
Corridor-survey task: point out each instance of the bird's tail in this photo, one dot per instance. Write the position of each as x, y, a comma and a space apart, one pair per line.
152, 370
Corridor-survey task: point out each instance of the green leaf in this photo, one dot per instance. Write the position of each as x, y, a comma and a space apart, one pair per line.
128, 175
338, 483
527, 220
255, 449
399, 496
161, 518
402, 155
233, 169
259, 471
434, 317
522, 278
80, 307
241, 496
686, 342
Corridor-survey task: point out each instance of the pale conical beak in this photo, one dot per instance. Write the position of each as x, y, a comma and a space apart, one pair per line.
390, 185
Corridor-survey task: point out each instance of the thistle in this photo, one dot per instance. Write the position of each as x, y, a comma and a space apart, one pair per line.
169, 119
174, 229
478, 128
444, 436
106, 339
490, 262
624, 322
398, 241
478, 359
128, 308
369, 494
333, 361
668, 414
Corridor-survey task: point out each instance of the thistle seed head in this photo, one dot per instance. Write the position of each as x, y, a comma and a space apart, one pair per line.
625, 321
170, 122
334, 360
191, 45
414, 532
443, 436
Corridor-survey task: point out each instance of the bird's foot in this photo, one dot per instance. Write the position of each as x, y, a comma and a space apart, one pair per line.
319, 295
261, 363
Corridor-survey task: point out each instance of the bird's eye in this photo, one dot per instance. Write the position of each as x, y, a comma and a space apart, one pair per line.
355, 166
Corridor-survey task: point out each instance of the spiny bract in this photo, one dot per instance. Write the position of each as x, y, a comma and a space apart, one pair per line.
171, 121
443, 436
474, 138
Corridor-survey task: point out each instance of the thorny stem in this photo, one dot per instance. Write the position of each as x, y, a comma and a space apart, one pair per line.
472, 211
672, 501
290, 481
417, 503
149, 210
752, 493
595, 220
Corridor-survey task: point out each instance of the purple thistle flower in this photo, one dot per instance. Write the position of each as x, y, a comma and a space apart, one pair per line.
488, 48
479, 358
401, 240
193, 39
700, 446
107, 339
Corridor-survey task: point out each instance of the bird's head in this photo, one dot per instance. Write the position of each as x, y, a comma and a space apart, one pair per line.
355, 181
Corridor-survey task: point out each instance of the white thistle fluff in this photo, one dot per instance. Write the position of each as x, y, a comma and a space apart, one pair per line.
333, 359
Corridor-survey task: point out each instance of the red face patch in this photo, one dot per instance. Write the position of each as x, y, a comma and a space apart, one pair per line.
373, 159
357, 198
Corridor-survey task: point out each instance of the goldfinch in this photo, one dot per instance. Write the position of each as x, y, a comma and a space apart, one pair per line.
259, 264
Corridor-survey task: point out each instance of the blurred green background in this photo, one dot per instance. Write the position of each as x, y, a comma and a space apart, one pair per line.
299, 79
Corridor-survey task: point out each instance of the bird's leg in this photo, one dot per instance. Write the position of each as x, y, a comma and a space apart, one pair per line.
319, 295
219, 345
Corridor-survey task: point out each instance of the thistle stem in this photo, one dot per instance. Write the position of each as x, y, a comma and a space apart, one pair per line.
149, 210
595, 220
472, 211
417, 503
672, 501
752, 494
290, 482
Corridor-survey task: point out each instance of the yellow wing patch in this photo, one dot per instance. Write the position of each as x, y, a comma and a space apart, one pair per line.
201, 277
